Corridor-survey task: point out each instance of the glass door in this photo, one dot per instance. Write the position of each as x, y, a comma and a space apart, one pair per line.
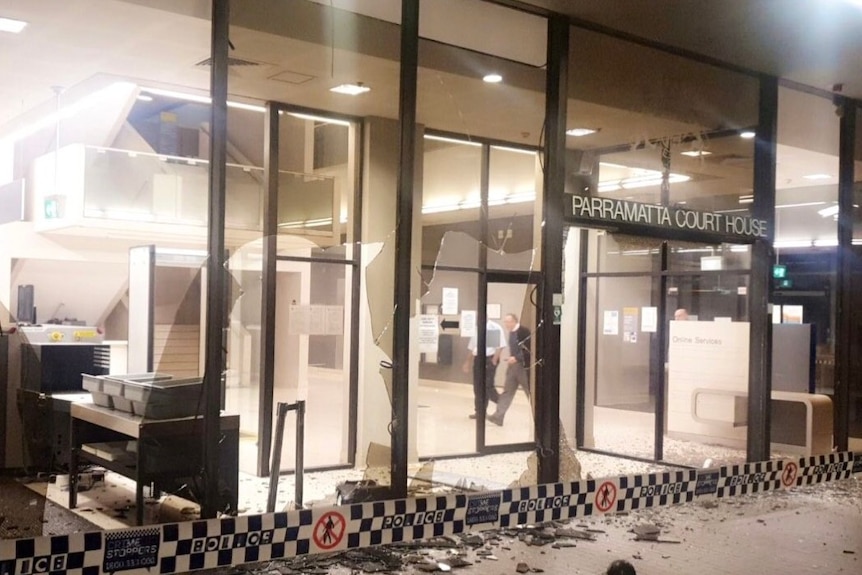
707, 346
621, 291
665, 349
512, 307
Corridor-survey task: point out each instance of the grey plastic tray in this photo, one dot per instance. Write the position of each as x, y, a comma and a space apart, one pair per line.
163, 391
170, 410
123, 404
93, 384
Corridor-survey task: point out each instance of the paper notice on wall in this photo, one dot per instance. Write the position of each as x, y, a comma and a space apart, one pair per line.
334, 320
318, 319
315, 320
630, 324
468, 323
428, 333
611, 324
791, 314
649, 319
299, 319
450, 301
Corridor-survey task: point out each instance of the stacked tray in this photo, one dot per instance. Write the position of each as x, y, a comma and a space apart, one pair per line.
150, 395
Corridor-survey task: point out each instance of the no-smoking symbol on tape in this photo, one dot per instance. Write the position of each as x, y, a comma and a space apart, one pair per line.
606, 496
788, 477
329, 530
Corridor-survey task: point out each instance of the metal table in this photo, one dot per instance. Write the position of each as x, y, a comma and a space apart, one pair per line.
167, 450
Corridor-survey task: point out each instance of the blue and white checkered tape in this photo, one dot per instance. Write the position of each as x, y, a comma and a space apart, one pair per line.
188, 546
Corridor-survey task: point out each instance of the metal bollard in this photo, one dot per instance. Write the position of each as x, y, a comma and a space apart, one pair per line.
275, 465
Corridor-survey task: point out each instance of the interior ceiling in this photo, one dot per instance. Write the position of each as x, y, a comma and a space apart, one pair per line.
302, 48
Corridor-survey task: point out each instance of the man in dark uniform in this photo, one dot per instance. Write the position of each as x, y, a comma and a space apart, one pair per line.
518, 368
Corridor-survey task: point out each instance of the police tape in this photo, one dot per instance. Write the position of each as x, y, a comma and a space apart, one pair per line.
181, 547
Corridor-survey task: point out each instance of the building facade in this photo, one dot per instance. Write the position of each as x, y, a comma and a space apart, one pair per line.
384, 184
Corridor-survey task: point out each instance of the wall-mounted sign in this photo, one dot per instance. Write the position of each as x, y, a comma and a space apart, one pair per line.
450, 301
587, 209
429, 334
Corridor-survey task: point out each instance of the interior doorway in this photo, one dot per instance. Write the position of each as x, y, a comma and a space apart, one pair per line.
633, 290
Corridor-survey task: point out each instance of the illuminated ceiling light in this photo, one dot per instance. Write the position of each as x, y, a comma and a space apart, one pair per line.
827, 243
178, 95
828, 212
249, 107
746, 199
747, 135
696, 153
492, 78
351, 89
649, 178
579, 132
11, 25
799, 205
451, 140
515, 150
792, 244
198, 99
144, 98
818, 177
318, 119
305, 223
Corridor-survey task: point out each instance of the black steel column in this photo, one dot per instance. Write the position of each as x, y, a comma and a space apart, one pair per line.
760, 344
548, 369
581, 380
404, 244
268, 276
480, 366
846, 256
216, 270
659, 356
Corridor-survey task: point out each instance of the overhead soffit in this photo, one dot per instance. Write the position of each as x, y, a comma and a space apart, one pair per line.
812, 42
320, 46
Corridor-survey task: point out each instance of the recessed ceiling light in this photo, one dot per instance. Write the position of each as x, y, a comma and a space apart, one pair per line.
578, 132
747, 134
492, 78
351, 89
696, 153
144, 98
818, 177
10, 25
828, 212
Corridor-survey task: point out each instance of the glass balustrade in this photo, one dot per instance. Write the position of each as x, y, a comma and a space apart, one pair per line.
122, 185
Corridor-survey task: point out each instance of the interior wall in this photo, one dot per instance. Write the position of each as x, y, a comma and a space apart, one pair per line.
86, 293
622, 367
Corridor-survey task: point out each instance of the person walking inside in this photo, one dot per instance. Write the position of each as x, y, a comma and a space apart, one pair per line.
493, 347
518, 367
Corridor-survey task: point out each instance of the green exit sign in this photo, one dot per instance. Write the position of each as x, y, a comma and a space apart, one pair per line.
785, 284
779, 272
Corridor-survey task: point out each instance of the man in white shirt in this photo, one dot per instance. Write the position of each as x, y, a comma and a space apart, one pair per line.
494, 338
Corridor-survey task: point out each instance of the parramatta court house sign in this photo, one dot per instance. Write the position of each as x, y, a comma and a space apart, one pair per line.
653, 219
